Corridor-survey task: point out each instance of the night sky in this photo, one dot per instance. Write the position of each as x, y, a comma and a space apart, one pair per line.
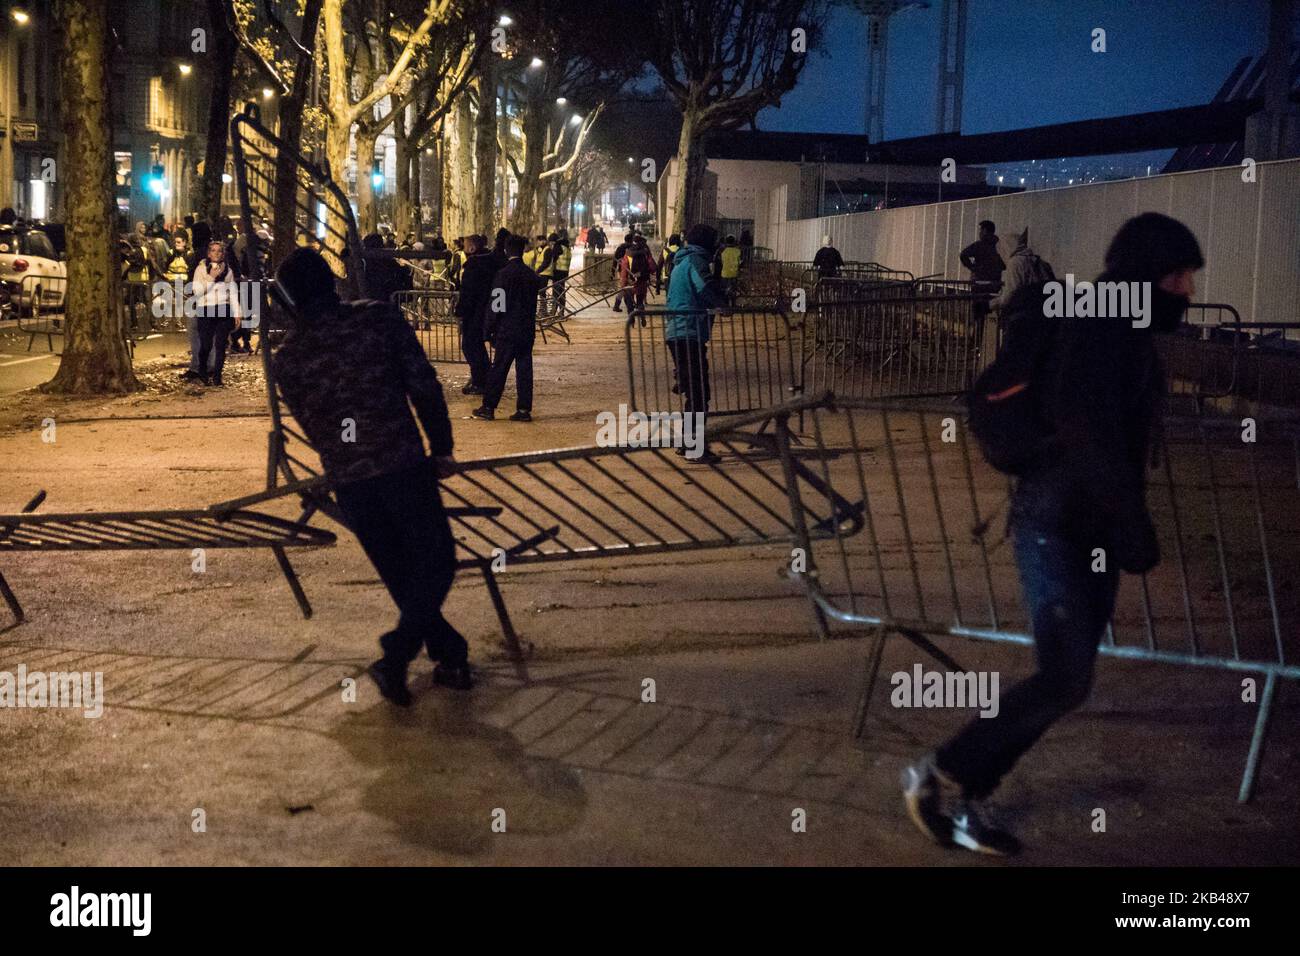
1029, 63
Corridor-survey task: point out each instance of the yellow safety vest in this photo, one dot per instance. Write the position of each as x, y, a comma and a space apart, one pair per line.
531, 258
730, 262
563, 259
550, 267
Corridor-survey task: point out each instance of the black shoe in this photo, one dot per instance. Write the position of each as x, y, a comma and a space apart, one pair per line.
217, 382
391, 684
204, 380
522, 417
485, 413
708, 458
619, 308
471, 390
457, 677
922, 794
189, 375
972, 829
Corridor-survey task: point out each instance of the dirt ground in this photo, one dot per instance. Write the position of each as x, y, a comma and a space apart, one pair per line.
221, 697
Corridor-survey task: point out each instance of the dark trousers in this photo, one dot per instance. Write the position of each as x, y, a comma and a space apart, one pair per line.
398, 519
213, 332
1069, 605
521, 355
475, 351
691, 368
558, 289
241, 334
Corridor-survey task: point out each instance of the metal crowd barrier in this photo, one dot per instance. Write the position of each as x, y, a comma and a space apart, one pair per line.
45, 315
878, 347
1217, 357
226, 525
751, 362
431, 313
931, 560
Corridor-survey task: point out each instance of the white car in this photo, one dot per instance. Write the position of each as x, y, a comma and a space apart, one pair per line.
31, 271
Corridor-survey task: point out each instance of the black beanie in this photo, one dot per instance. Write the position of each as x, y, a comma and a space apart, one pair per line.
306, 276
1151, 246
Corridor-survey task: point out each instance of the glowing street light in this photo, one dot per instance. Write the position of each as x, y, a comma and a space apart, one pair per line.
560, 100
377, 180
227, 178
537, 62
576, 119
186, 69
505, 20
21, 17
267, 92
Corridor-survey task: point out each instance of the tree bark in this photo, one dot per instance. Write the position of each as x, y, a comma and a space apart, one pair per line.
95, 355
692, 165
223, 56
402, 196
285, 217
367, 208
485, 146
524, 221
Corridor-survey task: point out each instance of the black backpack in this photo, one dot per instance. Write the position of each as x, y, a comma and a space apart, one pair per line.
1006, 406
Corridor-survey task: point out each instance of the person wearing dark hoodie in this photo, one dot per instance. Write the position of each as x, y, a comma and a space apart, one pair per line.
471, 306
351, 372
384, 276
689, 324
499, 256
1100, 388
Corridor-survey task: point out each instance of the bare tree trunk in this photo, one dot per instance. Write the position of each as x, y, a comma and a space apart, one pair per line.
402, 198
692, 164
485, 146
458, 173
291, 109
223, 57
525, 219
95, 356
367, 208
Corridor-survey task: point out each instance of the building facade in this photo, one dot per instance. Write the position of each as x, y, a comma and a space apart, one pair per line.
30, 133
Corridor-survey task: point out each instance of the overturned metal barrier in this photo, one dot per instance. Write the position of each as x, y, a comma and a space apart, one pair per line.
931, 559
215, 527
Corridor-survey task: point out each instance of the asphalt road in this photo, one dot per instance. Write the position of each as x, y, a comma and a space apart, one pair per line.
21, 369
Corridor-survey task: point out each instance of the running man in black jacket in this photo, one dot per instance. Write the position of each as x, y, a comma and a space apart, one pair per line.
1102, 391
347, 372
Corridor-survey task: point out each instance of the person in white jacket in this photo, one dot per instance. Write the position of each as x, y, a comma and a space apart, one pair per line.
1024, 268
217, 309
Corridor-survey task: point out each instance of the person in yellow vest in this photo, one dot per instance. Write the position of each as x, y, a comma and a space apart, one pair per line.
727, 267
664, 274
177, 269
561, 256
533, 254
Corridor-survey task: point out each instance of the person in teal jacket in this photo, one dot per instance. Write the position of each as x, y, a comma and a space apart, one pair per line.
688, 323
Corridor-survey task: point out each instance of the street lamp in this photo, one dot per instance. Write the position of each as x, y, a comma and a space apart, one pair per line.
185, 69
21, 17
576, 119
505, 20
537, 62
267, 92
560, 101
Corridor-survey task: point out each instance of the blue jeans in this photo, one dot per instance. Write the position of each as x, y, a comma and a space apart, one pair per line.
1069, 605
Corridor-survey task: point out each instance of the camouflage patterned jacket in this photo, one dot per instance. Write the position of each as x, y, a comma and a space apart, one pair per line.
347, 377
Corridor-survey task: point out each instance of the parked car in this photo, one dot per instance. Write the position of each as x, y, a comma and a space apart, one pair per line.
31, 270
